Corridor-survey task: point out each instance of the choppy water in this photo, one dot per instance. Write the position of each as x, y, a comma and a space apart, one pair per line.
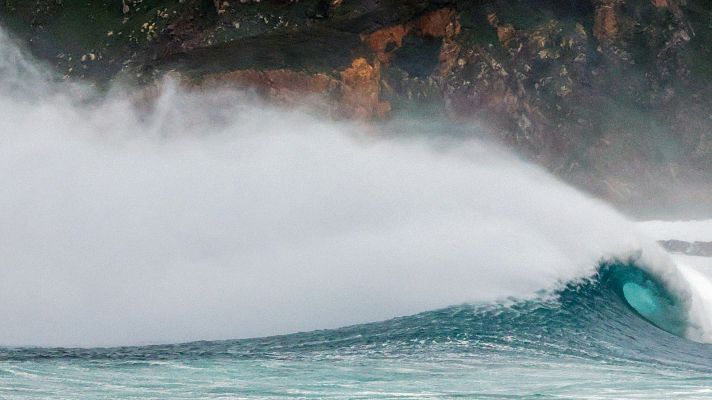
584, 342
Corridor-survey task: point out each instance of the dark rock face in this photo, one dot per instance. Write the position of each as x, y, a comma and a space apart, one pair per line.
611, 95
700, 249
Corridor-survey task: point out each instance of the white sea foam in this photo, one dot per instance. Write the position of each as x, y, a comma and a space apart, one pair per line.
213, 217
691, 231
700, 303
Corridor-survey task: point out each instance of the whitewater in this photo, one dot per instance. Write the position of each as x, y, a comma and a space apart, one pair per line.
211, 217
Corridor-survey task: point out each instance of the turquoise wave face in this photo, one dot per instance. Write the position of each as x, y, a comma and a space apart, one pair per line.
621, 323
652, 302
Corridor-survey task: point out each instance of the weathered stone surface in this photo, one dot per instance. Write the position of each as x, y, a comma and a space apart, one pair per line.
611, 95
360, 91
605, 23
285, 87
661, 3
440, 23
355, 94
699, 249
384, 41
505, 33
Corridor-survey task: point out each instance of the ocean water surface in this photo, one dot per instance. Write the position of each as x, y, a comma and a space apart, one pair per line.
587, 341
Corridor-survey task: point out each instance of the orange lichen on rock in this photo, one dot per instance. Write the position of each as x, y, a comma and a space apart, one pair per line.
505, 33
382, 40
448, 57
605, 23
360, 91
439, 23
355, 95
285, 86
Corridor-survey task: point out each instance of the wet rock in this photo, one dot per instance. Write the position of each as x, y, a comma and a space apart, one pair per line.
285, 87
605, 23
355, 94
660, 3
360, 91
440, 23
384, 41
611, 95
700, 249
505, 33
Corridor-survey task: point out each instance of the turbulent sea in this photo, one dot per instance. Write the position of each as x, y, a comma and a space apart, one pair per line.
208, 246
585, 342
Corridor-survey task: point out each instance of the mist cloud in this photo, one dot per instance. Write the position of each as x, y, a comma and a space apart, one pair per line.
213, 217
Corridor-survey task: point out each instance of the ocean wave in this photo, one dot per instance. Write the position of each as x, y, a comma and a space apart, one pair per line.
211, 216
598, 318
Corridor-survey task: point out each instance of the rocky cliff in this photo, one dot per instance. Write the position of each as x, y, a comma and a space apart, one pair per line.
697, 249
611, 95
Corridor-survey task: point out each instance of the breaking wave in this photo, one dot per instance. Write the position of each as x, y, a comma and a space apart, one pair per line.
211, 216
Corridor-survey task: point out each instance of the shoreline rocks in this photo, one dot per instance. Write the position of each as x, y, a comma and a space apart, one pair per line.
613, 96
699, 249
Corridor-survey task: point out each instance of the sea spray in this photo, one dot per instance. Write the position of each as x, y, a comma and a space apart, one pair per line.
216, 217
